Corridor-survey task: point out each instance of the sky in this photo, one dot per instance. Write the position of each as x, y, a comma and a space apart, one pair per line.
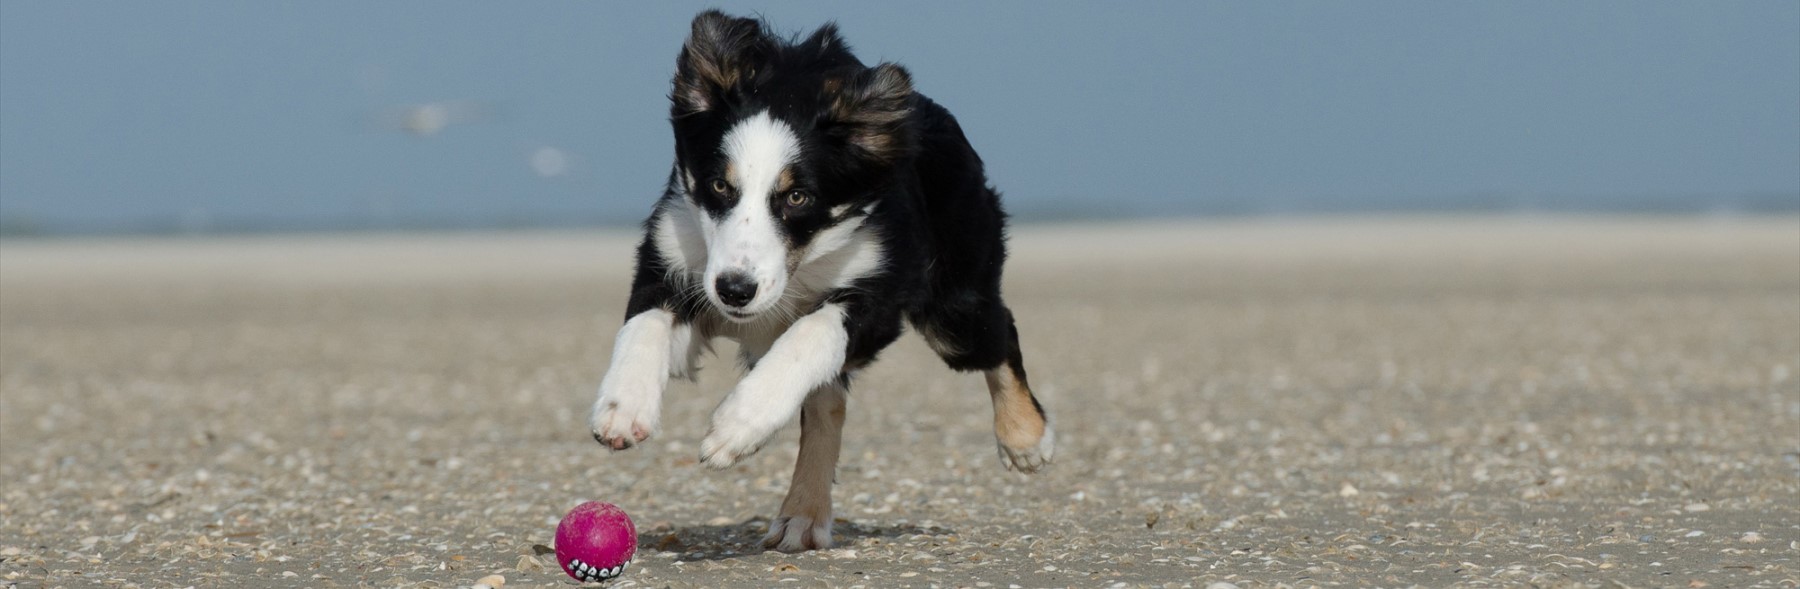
206, 115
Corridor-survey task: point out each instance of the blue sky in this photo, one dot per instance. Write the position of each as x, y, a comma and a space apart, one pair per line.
119, 115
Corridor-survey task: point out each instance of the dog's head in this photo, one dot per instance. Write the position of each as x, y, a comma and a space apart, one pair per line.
783, 147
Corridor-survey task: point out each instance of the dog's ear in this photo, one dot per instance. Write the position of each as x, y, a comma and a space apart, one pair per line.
874, 107
721, 51
826, 40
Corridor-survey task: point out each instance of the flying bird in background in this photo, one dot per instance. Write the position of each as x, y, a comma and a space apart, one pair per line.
428, 119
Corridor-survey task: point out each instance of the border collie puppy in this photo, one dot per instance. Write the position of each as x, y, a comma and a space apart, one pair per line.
815, 204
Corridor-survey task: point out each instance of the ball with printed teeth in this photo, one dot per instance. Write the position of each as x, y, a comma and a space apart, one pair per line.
595, 541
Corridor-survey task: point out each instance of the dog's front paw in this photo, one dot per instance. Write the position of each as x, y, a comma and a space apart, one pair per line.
796, 533
1032, 458
737, 431
619, 423
727, 443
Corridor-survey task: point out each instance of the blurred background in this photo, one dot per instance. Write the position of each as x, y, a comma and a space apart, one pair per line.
226, 117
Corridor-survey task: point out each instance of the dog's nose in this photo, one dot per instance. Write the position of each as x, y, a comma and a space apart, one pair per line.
735, 288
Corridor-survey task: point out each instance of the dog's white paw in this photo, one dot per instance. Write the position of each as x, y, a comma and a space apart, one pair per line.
620, 421
630, 400
1032, 458
796, 533
727, 443
737, 431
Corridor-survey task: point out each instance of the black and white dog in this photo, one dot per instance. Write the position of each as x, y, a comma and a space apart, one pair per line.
815, 204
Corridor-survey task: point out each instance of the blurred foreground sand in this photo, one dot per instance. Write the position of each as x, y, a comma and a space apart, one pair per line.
1434, 401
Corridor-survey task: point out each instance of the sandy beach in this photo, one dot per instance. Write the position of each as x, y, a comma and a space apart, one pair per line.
1431, 401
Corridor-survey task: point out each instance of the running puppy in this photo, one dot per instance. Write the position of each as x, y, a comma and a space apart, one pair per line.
815, 203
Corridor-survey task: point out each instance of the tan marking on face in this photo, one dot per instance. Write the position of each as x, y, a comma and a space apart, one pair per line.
784, 181
1017, 423
731, 174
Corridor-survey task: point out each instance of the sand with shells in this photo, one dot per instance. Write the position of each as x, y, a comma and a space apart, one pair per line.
1353, 402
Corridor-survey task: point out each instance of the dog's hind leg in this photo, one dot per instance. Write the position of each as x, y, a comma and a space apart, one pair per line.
1021, 426
805, 519
981, 336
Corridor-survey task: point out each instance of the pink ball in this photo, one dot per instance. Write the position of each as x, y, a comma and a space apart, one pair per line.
594, 541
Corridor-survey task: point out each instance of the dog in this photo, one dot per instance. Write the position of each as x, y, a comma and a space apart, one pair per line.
815, 205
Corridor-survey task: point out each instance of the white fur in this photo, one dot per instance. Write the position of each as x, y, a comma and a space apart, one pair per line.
684, 351
834, 238
808, 354
748, 240
679, 237
838, 256
629, 405
676, 230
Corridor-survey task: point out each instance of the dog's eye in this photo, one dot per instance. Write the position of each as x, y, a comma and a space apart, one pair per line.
719, 186
797, 199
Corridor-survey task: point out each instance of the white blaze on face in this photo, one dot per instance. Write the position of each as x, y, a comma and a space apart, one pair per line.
747, 239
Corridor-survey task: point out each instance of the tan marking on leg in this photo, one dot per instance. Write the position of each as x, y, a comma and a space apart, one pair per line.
1017, 423
804, 522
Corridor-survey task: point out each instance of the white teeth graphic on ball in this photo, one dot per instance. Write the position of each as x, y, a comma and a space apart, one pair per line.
592, 573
